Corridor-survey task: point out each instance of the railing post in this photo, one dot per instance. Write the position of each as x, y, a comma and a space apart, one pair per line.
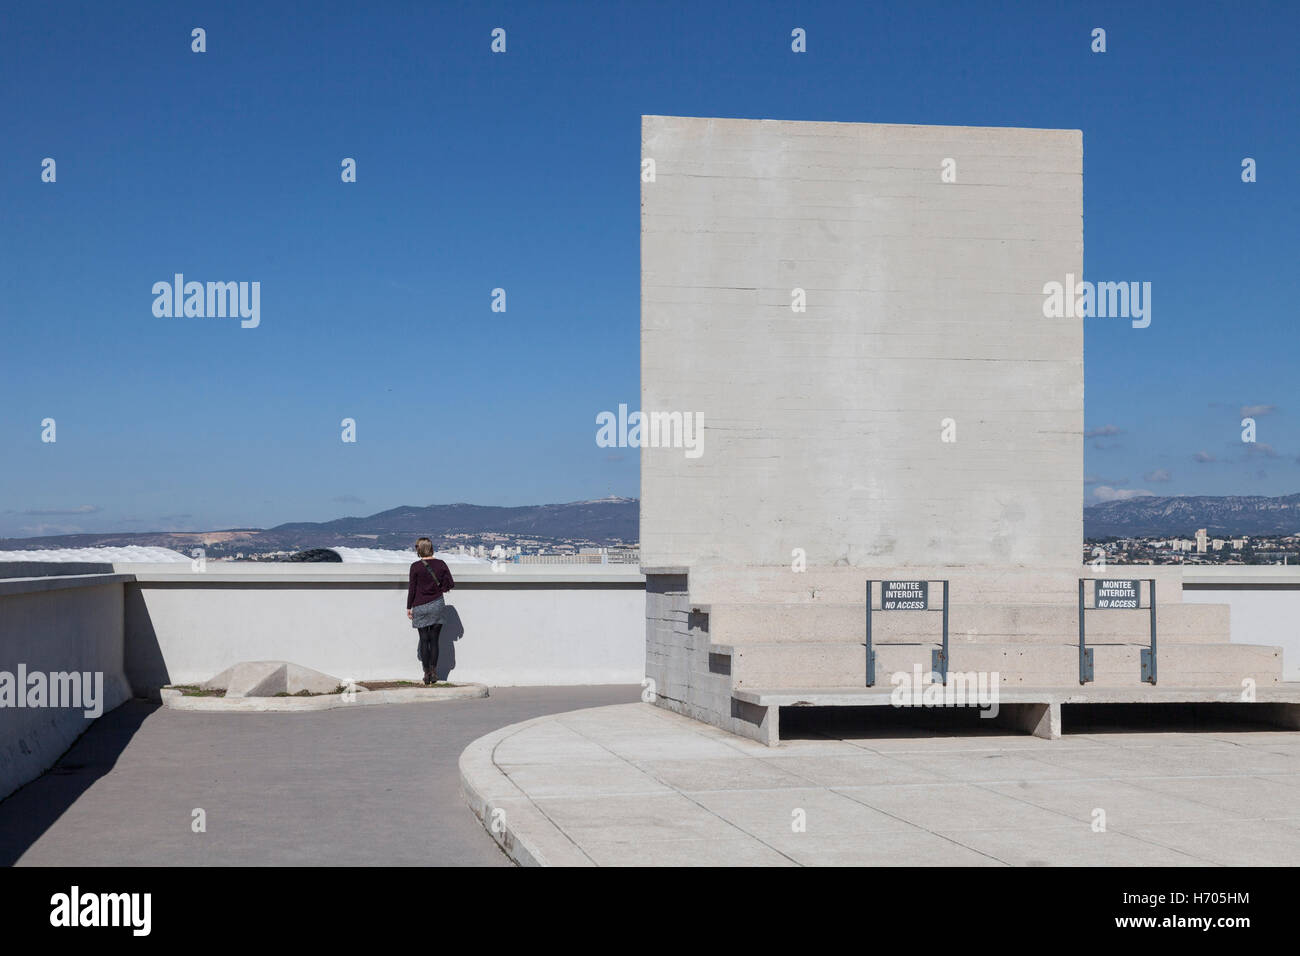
1149, 653
939, 658
871, 654
1085, 652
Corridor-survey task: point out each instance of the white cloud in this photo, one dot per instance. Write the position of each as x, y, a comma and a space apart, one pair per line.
1103, 432
45, 529
1254, 411
1107, 493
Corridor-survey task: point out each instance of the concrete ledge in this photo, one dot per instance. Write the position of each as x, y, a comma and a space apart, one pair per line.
876, 696
523, 832
60, 582
177, 700
1248, 576
225, 573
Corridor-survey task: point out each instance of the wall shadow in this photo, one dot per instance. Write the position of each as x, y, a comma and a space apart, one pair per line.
143, 662
453, 629
34, 807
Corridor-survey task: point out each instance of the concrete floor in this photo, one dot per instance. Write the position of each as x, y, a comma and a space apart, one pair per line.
634, 784
371, 786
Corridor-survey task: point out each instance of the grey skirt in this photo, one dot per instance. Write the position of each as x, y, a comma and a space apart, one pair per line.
424, 615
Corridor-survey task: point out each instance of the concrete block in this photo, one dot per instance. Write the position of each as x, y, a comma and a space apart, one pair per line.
1041, 720
924, 302
269, 678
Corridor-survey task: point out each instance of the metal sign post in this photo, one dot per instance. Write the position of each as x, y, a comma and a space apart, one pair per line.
1117, 594
871, 654
1149, 653
939, 658
907, 596
1085, 652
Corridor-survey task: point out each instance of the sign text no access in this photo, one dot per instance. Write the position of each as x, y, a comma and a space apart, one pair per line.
1116, 593
905, 595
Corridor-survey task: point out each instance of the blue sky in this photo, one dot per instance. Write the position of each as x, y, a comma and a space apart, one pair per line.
520, 171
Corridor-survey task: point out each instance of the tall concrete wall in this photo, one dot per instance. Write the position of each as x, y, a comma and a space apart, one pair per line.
924, 302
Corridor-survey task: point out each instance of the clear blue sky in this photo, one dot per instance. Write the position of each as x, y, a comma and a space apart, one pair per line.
520, 171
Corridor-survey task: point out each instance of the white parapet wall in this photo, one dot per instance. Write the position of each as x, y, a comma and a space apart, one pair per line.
1264, 602
523, 624
61, 649
138, 627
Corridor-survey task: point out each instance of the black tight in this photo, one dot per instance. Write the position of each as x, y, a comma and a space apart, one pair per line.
429, 646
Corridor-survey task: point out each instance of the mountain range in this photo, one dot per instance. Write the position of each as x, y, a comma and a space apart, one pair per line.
1182, 515
605, 522
615, 522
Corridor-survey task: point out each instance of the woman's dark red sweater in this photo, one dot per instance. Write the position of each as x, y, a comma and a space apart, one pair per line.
421, 588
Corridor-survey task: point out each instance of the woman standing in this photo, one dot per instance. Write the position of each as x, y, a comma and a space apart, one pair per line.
429, 579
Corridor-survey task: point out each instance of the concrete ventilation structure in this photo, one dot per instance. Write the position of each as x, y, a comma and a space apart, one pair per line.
854, 313
269, 678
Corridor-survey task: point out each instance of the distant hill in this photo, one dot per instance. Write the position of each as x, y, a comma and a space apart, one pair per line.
610, 521
1182, 515
614, 522
606, 522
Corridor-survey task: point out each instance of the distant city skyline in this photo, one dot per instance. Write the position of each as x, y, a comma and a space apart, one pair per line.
614, 523
519, 171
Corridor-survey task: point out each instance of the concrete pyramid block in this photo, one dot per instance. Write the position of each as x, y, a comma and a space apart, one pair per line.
268, 678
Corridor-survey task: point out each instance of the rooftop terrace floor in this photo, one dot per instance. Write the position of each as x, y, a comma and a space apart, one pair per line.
627, 783
635, 784
371, 786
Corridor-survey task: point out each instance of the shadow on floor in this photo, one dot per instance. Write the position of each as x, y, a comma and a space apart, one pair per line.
34, 807
1163, 718
851, 723
891, 723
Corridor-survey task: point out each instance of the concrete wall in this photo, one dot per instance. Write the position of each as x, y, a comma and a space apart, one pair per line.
150, 625
525, 625
924, 302
154, 624
688, 679
1264, 602
56, 625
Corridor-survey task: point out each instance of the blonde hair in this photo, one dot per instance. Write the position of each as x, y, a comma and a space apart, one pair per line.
424, 548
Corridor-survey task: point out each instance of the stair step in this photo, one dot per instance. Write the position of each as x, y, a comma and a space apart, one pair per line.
716, 584
815, 665
846, 623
